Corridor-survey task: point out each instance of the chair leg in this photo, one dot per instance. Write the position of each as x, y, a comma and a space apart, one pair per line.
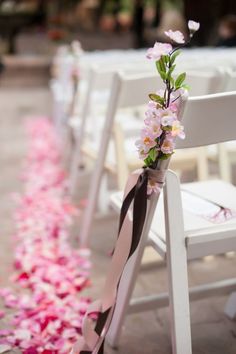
126, 287
179, 305
74, 166
94, 189
202, 165
224, 163
103, 195
230, 307
177, 269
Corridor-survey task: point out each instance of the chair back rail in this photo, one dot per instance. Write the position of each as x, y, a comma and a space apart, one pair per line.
209, 119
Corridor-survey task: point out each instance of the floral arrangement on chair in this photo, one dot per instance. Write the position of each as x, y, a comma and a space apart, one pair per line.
162, 126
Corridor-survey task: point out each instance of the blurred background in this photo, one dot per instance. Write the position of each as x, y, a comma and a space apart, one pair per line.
31, 30
36, 26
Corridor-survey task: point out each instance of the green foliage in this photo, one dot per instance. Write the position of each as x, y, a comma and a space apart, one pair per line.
153, 154
165, 156
161, 68
167, 128
180, 80
174, 56
186, 87
156, 98
166, 59
170, 71
172, 82
148, 161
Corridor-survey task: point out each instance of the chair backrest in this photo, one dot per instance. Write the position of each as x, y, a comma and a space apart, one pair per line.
103, 81
209, 119
231, 81
134, 88
100, 81
204, 82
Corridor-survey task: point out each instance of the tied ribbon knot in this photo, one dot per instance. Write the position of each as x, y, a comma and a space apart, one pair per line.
132, 219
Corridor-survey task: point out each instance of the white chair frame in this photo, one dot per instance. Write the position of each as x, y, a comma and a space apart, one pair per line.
181, 245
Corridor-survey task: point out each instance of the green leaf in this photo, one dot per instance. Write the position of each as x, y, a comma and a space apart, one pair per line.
174, 56
148, 161
167, 128
152, 154
186, 87
172, 82
156, 98
162, 64
165, 156
172, 68
160, 69
179, 81
166, 59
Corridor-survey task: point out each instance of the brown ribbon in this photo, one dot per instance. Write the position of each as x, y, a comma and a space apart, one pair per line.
132, 219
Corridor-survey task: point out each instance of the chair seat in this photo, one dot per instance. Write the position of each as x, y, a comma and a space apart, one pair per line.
90, 148
203, 235
91, 143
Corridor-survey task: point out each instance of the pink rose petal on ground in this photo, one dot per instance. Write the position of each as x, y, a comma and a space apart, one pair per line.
30, 350
46, 265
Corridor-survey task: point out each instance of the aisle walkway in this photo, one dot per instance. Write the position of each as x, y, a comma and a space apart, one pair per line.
15, 105
147, 333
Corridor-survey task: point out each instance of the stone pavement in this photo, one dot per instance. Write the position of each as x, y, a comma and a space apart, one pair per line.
146, 333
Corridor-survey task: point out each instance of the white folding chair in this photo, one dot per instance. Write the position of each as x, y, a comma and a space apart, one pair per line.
178, 233
127, 91
95, 105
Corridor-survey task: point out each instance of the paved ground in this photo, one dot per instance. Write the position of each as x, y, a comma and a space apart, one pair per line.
147, 333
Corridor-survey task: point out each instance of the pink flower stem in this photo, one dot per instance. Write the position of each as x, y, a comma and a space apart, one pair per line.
176, 99
168, 86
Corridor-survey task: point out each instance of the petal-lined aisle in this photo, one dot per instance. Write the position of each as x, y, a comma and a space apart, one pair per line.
46, 313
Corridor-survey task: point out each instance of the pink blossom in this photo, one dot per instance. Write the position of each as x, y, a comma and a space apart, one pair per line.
146, 142
152, 113
193, 26
155, 127
173, 107
167, 146
175, 36
177, 130
167, 117
153, 187
158, 50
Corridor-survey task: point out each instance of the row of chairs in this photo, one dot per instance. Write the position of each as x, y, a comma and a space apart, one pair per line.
111, 109
106, 133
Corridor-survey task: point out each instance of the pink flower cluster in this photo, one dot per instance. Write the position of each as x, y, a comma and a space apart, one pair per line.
160, 49
159, 120
47, 316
